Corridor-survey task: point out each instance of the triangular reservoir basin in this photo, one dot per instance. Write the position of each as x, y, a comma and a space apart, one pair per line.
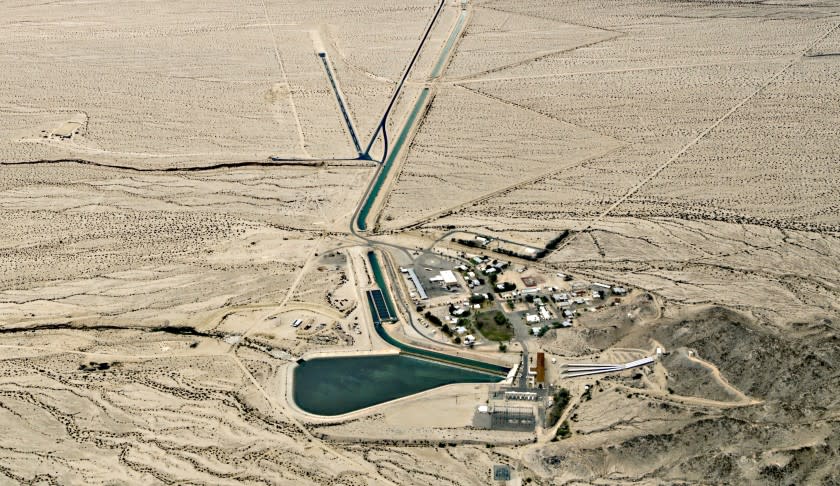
334, 386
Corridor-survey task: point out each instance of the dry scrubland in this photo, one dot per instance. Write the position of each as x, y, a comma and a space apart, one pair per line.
694, 144
722, 185
722, 189
190, 83
105, 246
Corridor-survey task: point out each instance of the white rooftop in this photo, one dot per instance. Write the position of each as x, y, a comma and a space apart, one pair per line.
448, 277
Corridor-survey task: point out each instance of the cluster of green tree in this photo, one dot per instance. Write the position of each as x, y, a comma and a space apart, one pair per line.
433, 318
563, 432
555, 242
477, 299
561, 401
453, 309
494, 326
507, 287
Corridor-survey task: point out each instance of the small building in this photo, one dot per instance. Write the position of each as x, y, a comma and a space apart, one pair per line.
469, 340
520, 395
540, 368
544, 314
599, 287
619, 291
532, 318
416, 281
448, 277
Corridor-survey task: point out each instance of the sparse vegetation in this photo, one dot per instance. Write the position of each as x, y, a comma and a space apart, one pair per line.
494, 326
561, 401
563, 431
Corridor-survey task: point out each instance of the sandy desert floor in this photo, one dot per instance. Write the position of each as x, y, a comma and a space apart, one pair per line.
152, 255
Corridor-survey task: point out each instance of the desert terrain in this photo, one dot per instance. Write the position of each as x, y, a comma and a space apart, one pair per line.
191, 191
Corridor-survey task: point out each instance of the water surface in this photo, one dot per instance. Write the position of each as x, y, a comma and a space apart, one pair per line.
333, 386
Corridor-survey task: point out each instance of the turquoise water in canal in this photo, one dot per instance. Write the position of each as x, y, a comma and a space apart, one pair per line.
456, 32
361, 220
333, 386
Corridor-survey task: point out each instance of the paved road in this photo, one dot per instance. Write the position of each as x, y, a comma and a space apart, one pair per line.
383, 121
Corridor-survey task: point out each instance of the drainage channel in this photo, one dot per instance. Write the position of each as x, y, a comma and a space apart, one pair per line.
323, 56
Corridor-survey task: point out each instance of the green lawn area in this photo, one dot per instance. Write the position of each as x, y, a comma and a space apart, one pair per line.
494, 326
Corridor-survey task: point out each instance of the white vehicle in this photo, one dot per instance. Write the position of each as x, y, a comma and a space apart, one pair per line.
297, 323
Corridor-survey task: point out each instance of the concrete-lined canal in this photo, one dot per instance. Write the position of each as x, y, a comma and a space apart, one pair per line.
456, 32
385, 168
420, 352
334, 386
338, 385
